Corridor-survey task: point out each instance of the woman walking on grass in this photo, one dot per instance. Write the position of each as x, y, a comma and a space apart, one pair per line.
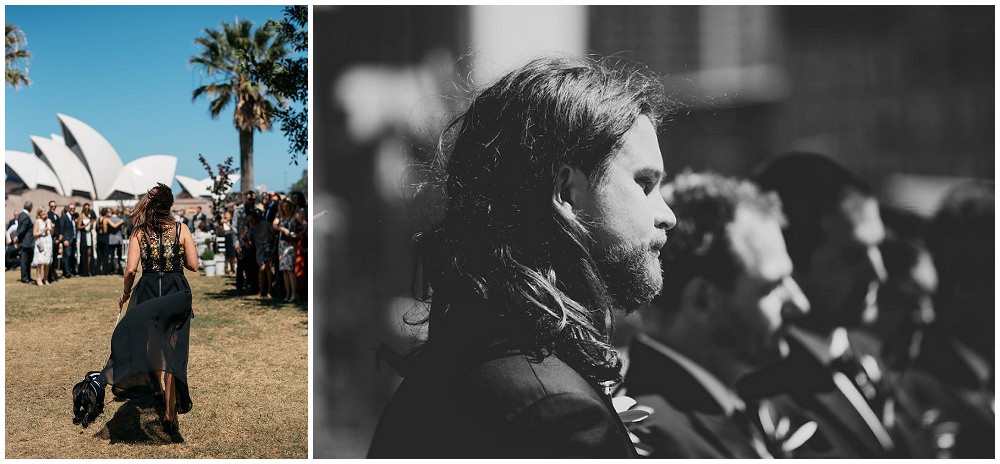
149, 347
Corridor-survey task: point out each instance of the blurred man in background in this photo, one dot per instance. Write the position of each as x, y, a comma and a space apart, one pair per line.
958, 347
554, 220
246, 260
727, 298
67, 237
25, 239
54, 218
905, 301
835, 370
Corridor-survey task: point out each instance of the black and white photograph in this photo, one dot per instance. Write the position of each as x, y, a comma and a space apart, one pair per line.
654, 231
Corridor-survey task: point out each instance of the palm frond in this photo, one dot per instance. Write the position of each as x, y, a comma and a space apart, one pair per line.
16, 57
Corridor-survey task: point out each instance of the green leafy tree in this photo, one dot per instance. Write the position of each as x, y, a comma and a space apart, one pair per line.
15, 58
223, 58
289, 78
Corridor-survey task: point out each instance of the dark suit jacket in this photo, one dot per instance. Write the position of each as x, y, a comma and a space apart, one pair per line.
497, 403
67, 227
25, 230
271, 211
55, 225
943, 380
808, 381
687, 422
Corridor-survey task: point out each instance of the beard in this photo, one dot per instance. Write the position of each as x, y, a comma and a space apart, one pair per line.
633, 275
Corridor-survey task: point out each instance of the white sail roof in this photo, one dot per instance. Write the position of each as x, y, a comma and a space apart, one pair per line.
144, 173
98, 155
70, 171
32, 170
201, 188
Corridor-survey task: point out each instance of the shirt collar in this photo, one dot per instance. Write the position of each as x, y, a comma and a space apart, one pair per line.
727, 398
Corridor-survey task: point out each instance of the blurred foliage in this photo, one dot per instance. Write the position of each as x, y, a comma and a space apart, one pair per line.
289, 78
221, 184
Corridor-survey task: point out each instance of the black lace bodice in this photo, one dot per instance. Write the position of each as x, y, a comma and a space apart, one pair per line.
162, 252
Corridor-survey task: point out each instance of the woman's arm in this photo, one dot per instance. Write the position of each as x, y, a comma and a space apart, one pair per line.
303, 222
278, 227
79, 222
190, 253
35, 231
131, 266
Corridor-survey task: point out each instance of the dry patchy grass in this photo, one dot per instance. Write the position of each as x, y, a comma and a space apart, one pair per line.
247, 372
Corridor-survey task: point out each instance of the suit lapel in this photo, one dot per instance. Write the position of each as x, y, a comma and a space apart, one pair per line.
652, 373
830, 401
727, 437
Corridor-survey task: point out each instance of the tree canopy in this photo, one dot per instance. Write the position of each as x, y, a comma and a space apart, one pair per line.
16, 56
224, 57
289, 78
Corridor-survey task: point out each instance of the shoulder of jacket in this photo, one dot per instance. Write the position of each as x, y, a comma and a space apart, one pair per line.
510, 384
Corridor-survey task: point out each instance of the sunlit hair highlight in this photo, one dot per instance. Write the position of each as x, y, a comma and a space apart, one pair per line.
152, 212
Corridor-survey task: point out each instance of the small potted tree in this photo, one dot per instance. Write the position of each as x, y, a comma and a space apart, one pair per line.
208, 256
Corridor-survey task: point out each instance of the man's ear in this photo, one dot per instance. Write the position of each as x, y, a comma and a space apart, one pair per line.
570, 189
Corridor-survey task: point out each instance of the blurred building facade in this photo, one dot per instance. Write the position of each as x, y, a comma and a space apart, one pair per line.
892, 92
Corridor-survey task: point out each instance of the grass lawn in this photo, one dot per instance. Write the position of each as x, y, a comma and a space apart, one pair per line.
248, 374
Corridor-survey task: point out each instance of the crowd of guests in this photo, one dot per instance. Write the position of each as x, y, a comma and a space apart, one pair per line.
71, 242
265, 242
843, 327
789, 314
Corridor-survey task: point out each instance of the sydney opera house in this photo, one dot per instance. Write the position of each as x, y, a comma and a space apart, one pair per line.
82, 163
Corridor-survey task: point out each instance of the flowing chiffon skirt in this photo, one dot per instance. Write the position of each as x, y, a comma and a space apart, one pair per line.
152, 339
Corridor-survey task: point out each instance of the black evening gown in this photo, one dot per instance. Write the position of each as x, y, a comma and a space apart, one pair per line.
152, 336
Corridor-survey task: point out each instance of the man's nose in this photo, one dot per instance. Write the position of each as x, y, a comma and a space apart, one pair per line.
796, 304
663, 215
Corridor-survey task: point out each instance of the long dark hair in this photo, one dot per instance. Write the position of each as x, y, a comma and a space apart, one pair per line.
503, 242
152, 212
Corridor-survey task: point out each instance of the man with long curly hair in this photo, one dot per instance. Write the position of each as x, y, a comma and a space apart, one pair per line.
554, 221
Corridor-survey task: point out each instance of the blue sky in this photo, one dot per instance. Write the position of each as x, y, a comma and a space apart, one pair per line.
123, 71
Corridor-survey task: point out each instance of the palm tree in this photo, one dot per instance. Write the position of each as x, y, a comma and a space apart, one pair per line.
224, 56
15, 57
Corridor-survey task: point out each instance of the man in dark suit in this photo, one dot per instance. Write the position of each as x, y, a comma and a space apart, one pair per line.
728, 295
554, 220
67, 237
958, 347
834, 371
54, 218
26, 240
270, 204
246, 253
198, 216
